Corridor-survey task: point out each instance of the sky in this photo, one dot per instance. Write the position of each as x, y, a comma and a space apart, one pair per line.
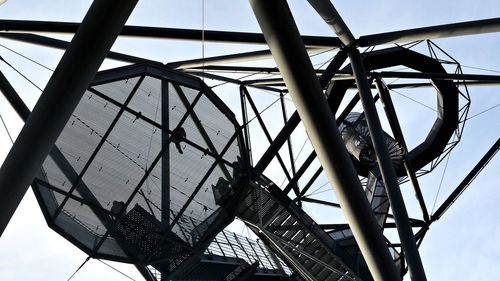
462, 245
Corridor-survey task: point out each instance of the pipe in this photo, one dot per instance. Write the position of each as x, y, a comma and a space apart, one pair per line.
431, 32
75, 71
294, 119
390, 112
330, 15
466, 181
282, 36
232, 58
163, 33
63, 45
13, 98
391, 184
436, 76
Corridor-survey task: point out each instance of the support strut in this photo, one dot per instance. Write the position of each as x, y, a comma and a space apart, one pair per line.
75, 71
283, 38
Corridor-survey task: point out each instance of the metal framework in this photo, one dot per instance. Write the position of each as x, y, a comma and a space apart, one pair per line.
186, 242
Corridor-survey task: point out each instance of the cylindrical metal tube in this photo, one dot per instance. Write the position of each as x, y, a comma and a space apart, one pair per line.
75, 72
432, 32
405, 232
288, 50
390, 112
330, 15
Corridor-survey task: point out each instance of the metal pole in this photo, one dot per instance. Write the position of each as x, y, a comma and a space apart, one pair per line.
405, 232
163, 33
436, 76
398, 134
165, 158
246, 129
268, 135
327, 11
283, 38
145, 272
13, 98
432, 32
63, 45
294, 119
232, 58
75, 71
290, 147
330, 15
467, 180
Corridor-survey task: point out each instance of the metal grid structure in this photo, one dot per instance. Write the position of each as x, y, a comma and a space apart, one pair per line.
123, 182
107, 186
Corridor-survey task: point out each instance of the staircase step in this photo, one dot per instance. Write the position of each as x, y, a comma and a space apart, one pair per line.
298, 241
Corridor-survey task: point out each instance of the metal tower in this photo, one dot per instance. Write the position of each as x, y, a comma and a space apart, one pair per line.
149, 163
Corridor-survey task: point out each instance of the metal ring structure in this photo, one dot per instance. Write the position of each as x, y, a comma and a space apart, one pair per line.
447, 119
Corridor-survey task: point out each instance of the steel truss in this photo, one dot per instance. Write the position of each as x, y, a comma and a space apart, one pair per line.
317, 94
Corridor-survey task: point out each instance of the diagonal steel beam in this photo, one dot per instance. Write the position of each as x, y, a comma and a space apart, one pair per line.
201, 129
163, 33
467, 181
232, 58
62, 45
294, 120
416, 268
431, 32
283, 38
330, 15
268, 136
75, 71
436, 76
384, 161
390, 112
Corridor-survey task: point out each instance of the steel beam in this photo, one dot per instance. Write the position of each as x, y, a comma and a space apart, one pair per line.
390, 111
386, 225
232, 58
336, 205
328, 12
246, 128
231, 80
145, 272
201, 129
294, 119
330, 15
13, 98
436, 76
165, 158
431, 85
227, 59
283, 38
467, 181
296, 177
384, 161
268, 135
63, 45
239, 69
431, 32
310, 182
163, 33
75, 71
349, 107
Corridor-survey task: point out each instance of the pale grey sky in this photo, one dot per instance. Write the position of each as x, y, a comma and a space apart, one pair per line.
463, 245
